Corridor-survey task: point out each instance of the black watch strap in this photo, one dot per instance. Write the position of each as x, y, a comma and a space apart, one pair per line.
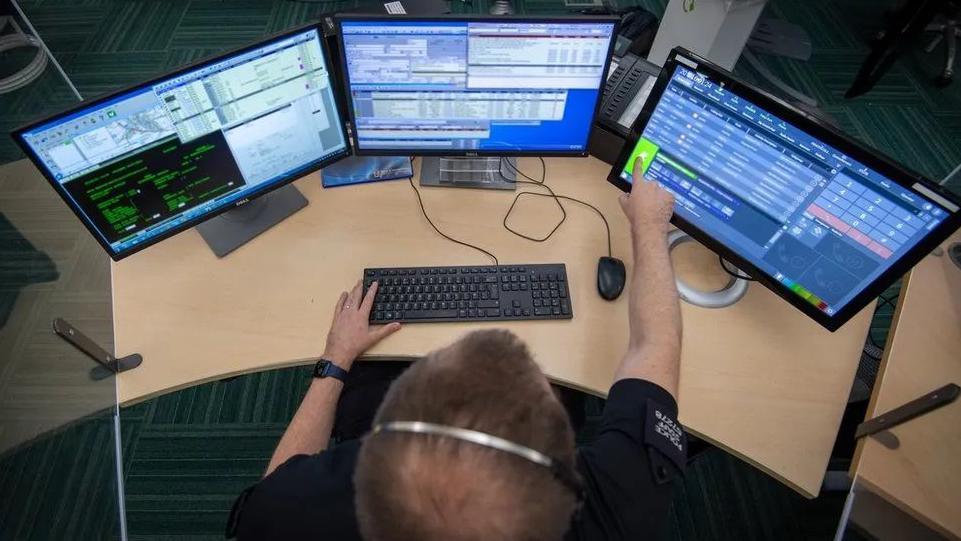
327, 369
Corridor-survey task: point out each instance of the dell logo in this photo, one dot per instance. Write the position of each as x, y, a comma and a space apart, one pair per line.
470, 154
242, 201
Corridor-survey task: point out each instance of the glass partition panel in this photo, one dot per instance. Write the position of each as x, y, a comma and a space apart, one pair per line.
59, 447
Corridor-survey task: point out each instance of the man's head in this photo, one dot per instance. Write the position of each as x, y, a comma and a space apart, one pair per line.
427, 487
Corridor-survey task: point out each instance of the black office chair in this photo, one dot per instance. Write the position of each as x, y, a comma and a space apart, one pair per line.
907, 24
948, 32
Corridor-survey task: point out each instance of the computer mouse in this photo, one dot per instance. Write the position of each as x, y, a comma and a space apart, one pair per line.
610, 277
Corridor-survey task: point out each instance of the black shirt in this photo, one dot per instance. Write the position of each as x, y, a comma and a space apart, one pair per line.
627, 473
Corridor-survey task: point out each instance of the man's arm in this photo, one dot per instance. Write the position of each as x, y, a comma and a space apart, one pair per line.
349, 336
654, 350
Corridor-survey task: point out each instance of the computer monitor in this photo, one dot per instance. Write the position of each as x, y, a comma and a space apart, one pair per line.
822, 221
150, 161
474, 86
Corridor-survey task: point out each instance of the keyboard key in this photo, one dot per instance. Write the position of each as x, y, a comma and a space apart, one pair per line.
488, 304
492, 312
431, 314
541, 311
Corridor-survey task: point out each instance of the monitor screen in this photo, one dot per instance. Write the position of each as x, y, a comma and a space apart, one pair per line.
809, 215
156, 159
494, 85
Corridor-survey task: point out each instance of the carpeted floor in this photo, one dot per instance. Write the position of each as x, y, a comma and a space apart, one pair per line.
187, 454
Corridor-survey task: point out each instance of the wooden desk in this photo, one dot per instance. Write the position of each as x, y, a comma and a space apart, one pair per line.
758, 379
923, 475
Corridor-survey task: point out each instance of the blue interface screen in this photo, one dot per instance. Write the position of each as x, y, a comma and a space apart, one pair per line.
805, 213
147, 161
460, 86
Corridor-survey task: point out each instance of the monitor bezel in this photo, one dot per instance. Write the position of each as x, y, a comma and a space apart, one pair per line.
355, 143
823, 131
18, 133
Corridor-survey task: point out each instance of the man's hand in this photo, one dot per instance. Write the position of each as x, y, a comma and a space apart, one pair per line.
350, 333
648, 206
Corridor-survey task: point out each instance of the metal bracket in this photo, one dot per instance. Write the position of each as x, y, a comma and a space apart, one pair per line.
919, 406
107, 364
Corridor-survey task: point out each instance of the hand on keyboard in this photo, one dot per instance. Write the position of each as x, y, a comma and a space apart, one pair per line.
350, 331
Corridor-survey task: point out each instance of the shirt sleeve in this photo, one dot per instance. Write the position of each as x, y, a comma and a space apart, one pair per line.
307, 497
629, 468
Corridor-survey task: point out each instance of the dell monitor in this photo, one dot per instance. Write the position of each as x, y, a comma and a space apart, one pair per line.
155, 159
473, 86
822, 221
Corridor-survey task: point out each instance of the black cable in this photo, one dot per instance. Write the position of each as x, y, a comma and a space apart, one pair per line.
420, 201
732, 273
553, 195
521, 173
607, 226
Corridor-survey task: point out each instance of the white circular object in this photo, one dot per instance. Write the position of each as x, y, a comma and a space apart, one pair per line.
728, 295
29, 73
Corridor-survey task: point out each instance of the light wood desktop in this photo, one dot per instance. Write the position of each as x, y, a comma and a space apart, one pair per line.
759, 379
923, 475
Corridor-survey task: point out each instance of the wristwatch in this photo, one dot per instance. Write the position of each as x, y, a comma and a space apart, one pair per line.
326, 368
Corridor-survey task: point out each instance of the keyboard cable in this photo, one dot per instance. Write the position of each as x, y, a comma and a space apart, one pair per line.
423, 210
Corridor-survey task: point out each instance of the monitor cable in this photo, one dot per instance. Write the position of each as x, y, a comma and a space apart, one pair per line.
557, 199
423, 210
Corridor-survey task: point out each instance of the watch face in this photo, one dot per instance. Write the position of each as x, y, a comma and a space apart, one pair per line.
325, 368
321, 369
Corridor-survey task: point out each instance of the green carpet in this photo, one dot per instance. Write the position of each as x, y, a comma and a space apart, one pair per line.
187, 454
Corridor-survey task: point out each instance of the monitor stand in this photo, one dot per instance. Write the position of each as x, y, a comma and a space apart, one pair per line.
450, 172
234, 228
724, 297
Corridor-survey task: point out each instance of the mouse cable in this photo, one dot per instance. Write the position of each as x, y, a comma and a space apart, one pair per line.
553, 195
420, 202
737, 275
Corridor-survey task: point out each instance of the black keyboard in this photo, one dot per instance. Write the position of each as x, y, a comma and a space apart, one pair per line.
491, 293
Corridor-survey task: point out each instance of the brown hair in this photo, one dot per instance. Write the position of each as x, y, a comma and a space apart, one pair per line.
421, 487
